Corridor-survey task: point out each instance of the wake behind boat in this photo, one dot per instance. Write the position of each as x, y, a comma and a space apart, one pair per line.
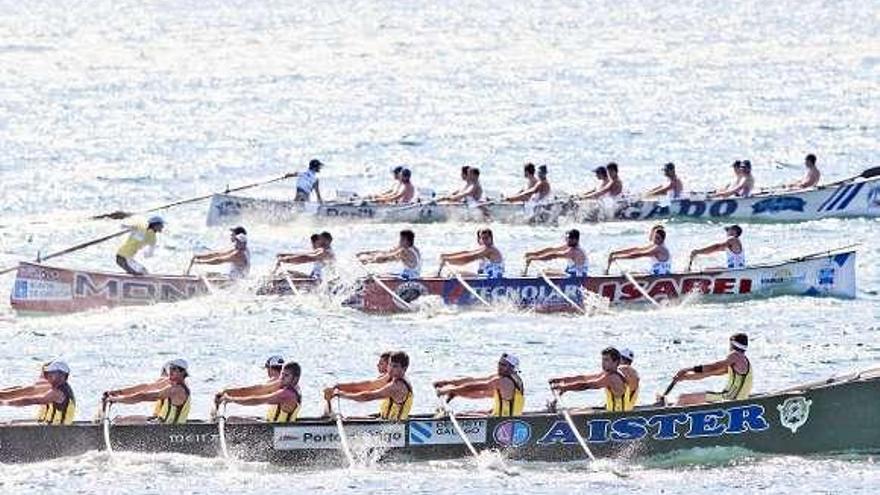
827, 417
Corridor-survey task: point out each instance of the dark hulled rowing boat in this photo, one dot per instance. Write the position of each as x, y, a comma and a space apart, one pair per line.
832, 416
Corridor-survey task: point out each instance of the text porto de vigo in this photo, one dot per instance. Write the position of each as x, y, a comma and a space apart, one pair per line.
668, 426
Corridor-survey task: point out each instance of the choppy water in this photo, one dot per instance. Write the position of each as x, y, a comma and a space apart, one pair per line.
107, 105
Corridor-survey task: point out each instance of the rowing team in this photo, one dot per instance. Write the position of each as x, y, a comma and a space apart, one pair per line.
486, 254
537, 188
171, 396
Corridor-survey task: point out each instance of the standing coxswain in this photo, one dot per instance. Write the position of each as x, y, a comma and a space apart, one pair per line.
239, 256
661, 260
505, 388
55, 398
732, 246
490, 258
577, 262
673, 187
321, 257
174, 395
611, 379
282, 395
396, 394
140, 236
736, 366
307, 182
406, 253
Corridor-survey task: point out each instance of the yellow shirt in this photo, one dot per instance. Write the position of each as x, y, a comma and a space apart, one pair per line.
276, 414
139, 237
514, 406
397, 411
63, 413
170, 414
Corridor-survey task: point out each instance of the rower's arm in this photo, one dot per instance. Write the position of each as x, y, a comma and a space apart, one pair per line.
549, 254
298, 259
318, 191
141, 387
464, 257
712, 248
24, 391
387, 256
460, 381
357, 387
472, 390
34, 400
641, 252
590, 384
276, 397
217, 258
369, 395
263, 388
460, 194
704, 370
143, 396
659, 190
525, 194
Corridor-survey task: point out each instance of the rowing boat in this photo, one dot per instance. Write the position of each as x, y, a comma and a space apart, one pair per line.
857, 198
226, 209
827, 274
45, 289
833, 416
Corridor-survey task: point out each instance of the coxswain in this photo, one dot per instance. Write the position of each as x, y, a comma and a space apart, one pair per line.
404, 194
157, 384
284, 399
732, 246
811, 175
57, 402
370, 385
307, 182
405, 252
627, 356
673, 187
321, 257
661, 260
505, 388
273, 366
140, 236
174, 394
490, 259
396, 395
571, 251
744, 184
736, 366
611, 379
239, 256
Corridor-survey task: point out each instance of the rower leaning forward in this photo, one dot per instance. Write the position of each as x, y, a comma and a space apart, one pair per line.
55, 396
171, 397
504, 387
282, 395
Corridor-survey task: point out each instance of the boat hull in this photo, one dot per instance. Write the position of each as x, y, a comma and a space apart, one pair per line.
45, 289
828, 418
823, 275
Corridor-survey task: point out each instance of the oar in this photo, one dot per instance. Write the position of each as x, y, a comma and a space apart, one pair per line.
221, 430
293, 287
559, 291
343, 438
119, 215
470, 289
372, 276
105, 419
784, 164
70, 249
866, 174
637, 286
662, 399
577, 434
189, 267
457, 427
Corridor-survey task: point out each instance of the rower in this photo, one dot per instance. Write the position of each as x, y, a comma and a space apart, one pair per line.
153, 386
571, 251
631, 376
140, 236
321, 257
661, 260
273, 367
371, 385
404, 194
811, 175
395, 172
505, 388
744, 184
239, 256
396, 395
174, 394
604, 185
617, 391
531, 180
58, 404
307, 182
491, 262
732, 246
472, 193
40, 386
405, 252
673, 187
737, 367
535, 194
284, 401
465, 177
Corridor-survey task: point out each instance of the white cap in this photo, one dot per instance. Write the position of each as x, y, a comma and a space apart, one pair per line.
627, 353
178, 363
511, 360
155, 219
58, 366
274, 362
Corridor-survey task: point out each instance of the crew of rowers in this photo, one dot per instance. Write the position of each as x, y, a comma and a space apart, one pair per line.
537, 189
280, 393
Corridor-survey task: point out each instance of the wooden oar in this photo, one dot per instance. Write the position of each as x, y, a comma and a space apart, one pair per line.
457, 427
105, 419
343, 438
221, 430
119, 215
577, 434
372, 276
662, 399
866, 174
470, 289
559, 291
638, 287
70, 249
